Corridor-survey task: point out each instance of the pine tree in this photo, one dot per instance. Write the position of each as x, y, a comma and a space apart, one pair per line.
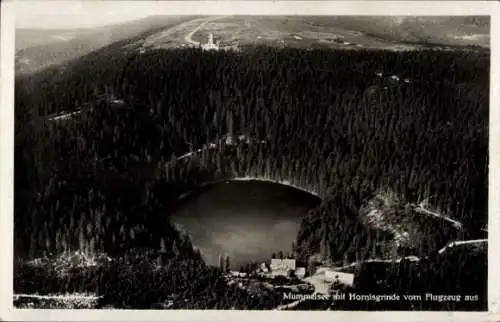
162, 245
81, 240
221, 262
175, 248
92, 245
228, 265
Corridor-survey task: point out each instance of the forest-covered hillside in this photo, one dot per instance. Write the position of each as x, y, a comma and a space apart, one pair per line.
37, 49
105, 180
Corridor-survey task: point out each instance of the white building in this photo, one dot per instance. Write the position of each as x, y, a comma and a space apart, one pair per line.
287, 263
210, 45
282, 266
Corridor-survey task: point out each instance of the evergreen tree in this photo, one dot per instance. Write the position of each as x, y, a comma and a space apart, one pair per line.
163, 248
221, 263
228, 265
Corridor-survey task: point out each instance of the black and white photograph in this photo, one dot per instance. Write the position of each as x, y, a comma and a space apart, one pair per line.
251, 162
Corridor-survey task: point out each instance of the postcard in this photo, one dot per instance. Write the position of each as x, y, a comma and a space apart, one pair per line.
244, 160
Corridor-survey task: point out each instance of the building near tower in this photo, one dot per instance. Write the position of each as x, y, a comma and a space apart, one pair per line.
282, 266
210, 45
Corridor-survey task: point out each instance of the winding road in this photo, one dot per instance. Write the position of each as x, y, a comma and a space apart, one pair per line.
189, 36
415, 258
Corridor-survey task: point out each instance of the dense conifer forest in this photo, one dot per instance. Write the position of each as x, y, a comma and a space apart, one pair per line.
107, 179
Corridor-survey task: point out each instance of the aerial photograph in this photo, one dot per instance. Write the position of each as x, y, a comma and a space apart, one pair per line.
252, 162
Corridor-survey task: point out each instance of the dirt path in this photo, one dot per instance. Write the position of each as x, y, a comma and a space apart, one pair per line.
420, 209
462, 242
319, 283
320, 286
189, 36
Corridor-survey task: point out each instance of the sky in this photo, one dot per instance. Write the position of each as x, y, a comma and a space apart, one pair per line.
80, 20
78, 14
92, 13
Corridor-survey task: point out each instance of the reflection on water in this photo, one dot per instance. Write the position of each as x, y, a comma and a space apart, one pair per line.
247, 221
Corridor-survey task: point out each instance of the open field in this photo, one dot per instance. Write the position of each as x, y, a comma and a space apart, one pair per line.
332, 32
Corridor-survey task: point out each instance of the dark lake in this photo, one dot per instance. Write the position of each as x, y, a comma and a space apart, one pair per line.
246, 220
